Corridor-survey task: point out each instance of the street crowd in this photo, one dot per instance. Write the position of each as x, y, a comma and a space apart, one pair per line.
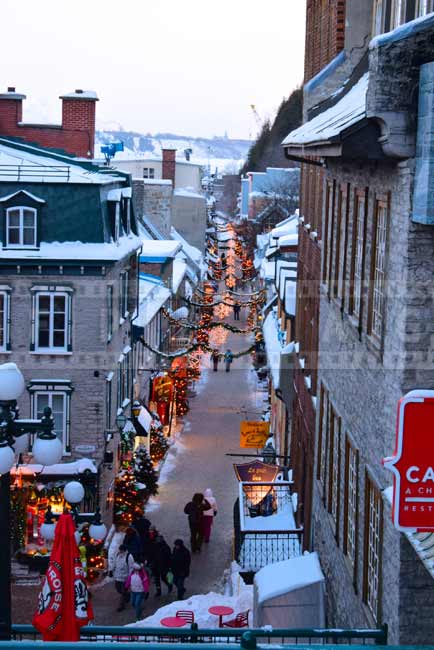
144, 555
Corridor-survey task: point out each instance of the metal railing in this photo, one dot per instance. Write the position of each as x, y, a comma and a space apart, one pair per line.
25, 636
19, 172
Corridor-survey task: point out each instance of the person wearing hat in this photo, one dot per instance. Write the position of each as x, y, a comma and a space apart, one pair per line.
181, 559
138, 584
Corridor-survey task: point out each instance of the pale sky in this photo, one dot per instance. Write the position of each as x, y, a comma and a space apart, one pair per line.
190, 67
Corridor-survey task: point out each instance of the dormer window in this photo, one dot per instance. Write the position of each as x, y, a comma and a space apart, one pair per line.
21, 225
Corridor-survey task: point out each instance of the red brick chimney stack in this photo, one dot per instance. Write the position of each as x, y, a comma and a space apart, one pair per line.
169, 165
78, 114
11, 110
76, 134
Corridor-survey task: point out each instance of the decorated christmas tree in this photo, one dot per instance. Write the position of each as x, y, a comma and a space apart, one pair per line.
145, 474
127, 498
159, 444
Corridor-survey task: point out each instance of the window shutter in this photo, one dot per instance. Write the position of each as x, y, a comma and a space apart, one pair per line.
33, 323
69, 326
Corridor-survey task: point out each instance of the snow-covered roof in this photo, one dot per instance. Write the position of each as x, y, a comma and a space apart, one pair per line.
81, 94
285, 275
152, 303
77, 250
267, 270
153, 248
272, 346
404, 31
290, 298
288, 240
280, 578
68, 469
41, 168
179, 271
225, 236
192, 252
189, 193
328, 125
289, 227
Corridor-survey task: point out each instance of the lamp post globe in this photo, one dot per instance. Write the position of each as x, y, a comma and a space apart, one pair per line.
48, 528
7, 457
77, 537
21, 444
11, 382
47, 451
73, 492
97, 530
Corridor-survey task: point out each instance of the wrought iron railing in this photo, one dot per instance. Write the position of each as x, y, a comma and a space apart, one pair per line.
231, 638
36, 171
264, 526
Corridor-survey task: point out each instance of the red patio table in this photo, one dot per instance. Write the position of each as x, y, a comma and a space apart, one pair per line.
173, 621
220, 611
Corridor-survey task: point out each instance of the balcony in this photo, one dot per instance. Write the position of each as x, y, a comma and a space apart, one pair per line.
264, 525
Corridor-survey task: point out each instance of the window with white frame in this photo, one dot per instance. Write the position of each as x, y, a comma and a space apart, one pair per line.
21, 223
351, 502
373, 544
378, 269
148, 172
52, 326
123, 295
5, 306
59, 403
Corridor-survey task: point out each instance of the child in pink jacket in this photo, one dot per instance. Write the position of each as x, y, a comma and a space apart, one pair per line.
138, 584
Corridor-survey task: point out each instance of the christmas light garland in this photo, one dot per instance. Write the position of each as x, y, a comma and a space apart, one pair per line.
194, 347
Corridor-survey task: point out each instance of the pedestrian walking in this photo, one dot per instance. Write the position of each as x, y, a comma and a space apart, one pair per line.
181, 560
208, 515
138, 584
160, 562
215, 359
133, 543
228, 358
122, 567
142, 525
237, 310
195, 509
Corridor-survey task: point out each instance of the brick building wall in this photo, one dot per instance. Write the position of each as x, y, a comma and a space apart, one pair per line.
75, 136
325, 34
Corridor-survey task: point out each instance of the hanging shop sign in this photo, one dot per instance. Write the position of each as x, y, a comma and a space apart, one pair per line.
256, 471
412, 464
253, 435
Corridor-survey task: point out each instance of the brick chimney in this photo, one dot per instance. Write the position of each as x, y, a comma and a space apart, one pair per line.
11, 110
169, 165
78, 114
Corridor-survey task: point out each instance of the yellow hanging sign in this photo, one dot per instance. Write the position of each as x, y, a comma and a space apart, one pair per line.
253, 435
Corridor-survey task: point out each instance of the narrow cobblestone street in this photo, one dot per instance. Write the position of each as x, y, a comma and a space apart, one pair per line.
198, 461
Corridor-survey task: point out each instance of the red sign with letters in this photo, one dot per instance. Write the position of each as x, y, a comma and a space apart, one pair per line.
413, 463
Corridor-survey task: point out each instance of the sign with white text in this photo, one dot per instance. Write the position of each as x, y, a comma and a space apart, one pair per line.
413, 463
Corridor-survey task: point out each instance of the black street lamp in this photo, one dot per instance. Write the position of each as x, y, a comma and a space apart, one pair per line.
47, 450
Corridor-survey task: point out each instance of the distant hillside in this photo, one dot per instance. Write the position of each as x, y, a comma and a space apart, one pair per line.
267, 150
221, 152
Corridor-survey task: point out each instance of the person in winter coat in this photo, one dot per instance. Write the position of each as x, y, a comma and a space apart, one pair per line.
195, 509
181, 559
138, 584
122, 567
133, 543
208, 515
215, 359
228, 358
237, 310
160, 562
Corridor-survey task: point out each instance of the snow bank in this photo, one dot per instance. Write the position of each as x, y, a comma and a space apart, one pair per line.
280, 578
200, 604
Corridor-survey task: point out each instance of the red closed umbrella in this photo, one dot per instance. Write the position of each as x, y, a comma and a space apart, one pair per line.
63, 603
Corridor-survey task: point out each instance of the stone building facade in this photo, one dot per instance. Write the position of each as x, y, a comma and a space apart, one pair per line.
68, 291
376, 314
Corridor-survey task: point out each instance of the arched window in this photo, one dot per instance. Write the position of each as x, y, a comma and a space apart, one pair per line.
21, 227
